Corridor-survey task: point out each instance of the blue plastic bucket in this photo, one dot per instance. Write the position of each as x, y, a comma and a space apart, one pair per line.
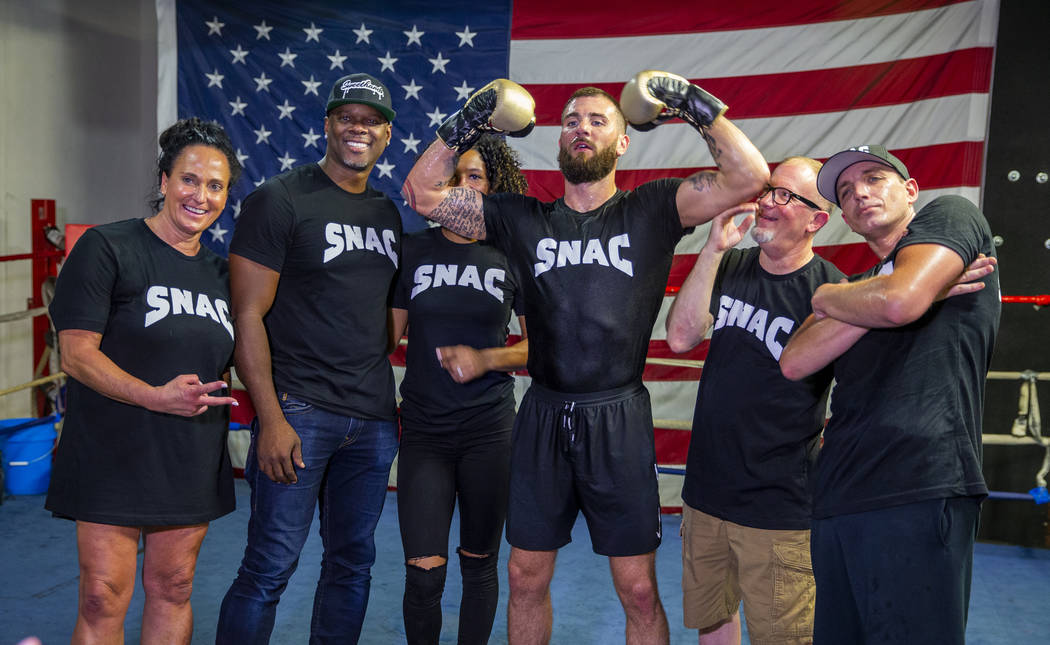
27, 456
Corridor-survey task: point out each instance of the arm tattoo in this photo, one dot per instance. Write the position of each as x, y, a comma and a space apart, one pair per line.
712, 145
704, 180
461, 211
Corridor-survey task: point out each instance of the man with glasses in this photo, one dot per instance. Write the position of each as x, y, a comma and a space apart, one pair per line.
746, 511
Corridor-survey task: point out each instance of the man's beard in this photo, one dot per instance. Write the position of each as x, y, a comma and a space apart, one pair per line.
580, 170
762, 235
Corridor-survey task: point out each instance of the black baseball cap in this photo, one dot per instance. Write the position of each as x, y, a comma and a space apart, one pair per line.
829, 173
364, 89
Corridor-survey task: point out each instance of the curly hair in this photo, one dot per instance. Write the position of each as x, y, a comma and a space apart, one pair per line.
501, 164
191, 132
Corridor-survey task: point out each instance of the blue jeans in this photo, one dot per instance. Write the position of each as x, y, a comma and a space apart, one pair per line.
347, 466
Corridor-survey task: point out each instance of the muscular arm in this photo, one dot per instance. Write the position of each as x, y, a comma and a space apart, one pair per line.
464, 363
427, 192
184, 395
816, 344
742, 172
253, 288
821, 340
690, 315
921, 274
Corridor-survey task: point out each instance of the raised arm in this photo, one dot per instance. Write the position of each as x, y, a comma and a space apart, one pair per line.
652, 98
500, 106
252, 288
690, 315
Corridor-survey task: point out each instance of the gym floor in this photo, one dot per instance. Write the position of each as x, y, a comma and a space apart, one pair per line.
38, 585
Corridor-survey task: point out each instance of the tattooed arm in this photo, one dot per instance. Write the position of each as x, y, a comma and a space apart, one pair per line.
742, 172
427, 192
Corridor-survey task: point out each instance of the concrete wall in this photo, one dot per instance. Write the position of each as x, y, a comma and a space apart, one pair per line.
78, 118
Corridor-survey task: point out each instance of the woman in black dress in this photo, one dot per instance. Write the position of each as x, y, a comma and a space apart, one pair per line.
142, 312
456, 297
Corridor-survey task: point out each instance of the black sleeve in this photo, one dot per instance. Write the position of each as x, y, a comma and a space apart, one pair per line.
84, 290
265, 226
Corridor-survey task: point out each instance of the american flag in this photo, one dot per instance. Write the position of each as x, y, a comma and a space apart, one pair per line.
811, 77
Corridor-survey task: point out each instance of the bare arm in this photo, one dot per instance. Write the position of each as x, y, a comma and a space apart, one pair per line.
690, 316
820, 341
921, 274
427, 192
816, 344
464, 363
741, 174
397, 324
252, 288
184, 395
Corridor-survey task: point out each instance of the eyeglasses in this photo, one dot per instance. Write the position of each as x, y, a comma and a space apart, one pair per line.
783, 196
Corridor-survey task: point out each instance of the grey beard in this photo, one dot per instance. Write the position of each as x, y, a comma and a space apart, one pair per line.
579, 170
762, 236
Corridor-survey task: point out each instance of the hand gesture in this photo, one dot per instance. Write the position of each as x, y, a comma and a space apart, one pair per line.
725, 234
186, 396
463, 363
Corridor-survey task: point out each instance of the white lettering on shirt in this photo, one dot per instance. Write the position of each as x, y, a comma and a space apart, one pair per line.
165, 301
344, 238
553, 253
746, 316
431, 276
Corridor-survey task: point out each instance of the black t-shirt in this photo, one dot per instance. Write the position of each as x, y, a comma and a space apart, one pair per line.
161, 314
593, 282
755, 433
906, 413
337, 253
455, 294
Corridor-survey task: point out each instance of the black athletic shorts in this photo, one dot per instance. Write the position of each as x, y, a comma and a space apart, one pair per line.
584, 452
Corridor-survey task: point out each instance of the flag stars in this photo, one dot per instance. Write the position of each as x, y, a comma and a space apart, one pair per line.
262, 30
214, 26
286, 162
260, 182
215, 78
262, 84
337, 60
241, 158
313, 33
239, 55
412, 90
466, 37
311, 138
238, 106
463, 92
436, 117
363, 34
287, 57
262, 135
236, 208
438, 63
388, 62
414, 36
411, 143
385, 169
286, 110
311, 86
218, 233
